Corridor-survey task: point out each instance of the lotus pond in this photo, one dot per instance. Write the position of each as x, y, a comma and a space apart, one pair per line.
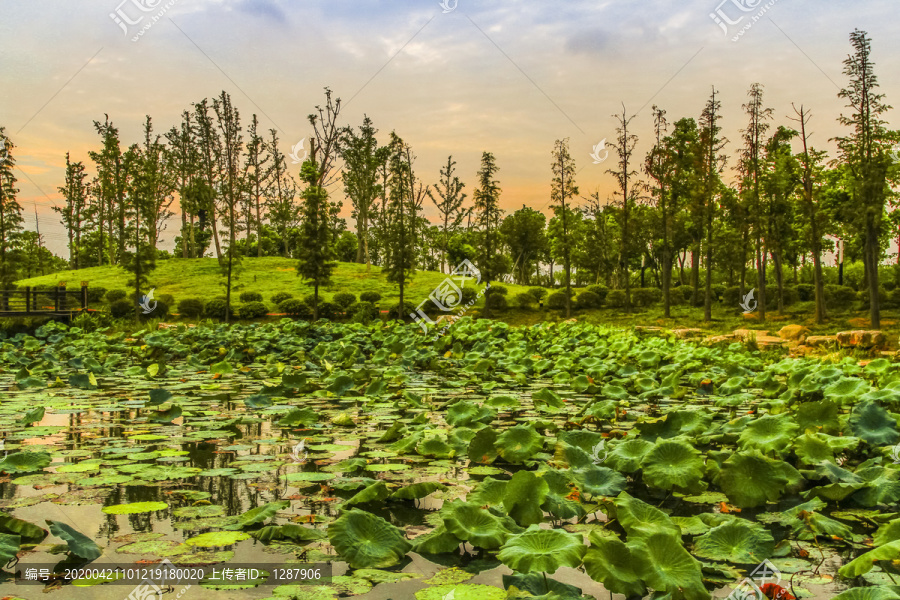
557, 461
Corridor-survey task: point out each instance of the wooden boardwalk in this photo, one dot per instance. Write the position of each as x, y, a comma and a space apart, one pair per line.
57, 303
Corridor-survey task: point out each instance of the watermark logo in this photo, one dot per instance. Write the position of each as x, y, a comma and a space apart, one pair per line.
449, 6
762, 584
295, 454
731, 13
296, 150
596, 450
749, 304
149, 590
895, 454
601, 147
895, 154
145, 303
448, 296
136, 12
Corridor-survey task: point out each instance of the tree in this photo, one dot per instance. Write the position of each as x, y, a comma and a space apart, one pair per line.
659, 166
751, 171
561, 189
184, 162
811, 173
401, 210
486, 207
72, 215
524, 234
865, 152
255, 175
141, 207
228, 157
158, 183
10, 210
210, 147
449, 202
713, 163
629, 189
280, 194
781, 176
360, 176
112, 174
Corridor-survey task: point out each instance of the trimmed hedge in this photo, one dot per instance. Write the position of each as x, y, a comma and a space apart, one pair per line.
645, 296
251, 297
121, 308
344, 300
363, 312
372, 297
806, 292
297, 309
538, 293
587, 299
328, 310
115, 295
839, 297
497, 301
216, 309
96, 294
523, 300
615, 299
600, 290
190, 307
557, 300
409, 307
279, 297
252, 310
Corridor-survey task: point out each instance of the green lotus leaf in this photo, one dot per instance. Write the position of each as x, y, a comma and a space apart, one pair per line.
769, 434
158, 396
461, 591
373, 493
367, 541
813, 448
289, 531
261, 513
417, 490
846, 390
535, 585
873, 424
640, 519
436, 541
32, 416
503, 402
25, 462
482, 447
673, 464
609, 561
866, 562
750, 479
519, 443
626, 457
435, 447
221, 368
489, 492
79, 544
135, 508
888, 532
340, 385
818, 416
739, 541
524, 495
869, 593
216, 539
465, 413
547, 400
9, 546
476, 525
542, 550
599, 481
165, 416
664, 565
299, 417
29, 532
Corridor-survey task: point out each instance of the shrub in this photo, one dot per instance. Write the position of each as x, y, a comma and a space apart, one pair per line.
600, 290
718, 291
839, 297
167, 299
363, 312
557, 300
616, 298
190, 307
863, 296
297, 309
523, 300
889, 286
216, 309
587, 299
372, 297
537, 293
806, 292
328, 310
160, 311
409, 307
687, 292
497, 301
96, 294
92, 321
279, 297
645, 296
731, 297
114, 295
252, 310
497, 290
468, 295
344, 300
121, 308
790, 294
251, 297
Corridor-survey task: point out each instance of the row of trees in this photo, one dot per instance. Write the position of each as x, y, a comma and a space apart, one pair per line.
672, 210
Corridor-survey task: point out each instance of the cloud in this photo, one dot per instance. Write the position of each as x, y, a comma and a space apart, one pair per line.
588, 41
263, 8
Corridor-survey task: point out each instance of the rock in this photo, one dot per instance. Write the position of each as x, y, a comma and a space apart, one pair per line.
751, 317
861, 339
745, 334
684, 334
651, 331
818, 341
794, 333
766, 342
718, 339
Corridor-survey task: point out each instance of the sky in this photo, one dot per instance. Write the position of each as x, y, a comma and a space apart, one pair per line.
460, 78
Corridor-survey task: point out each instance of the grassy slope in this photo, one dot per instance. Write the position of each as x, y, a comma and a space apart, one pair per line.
201, 278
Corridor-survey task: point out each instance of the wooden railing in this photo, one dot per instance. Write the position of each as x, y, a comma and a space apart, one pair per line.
31, 301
